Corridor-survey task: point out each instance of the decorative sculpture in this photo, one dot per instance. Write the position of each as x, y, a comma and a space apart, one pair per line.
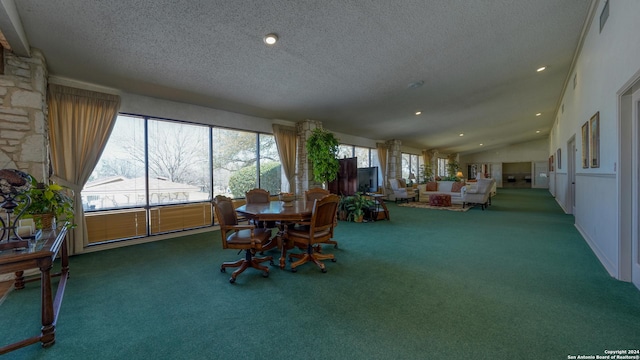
14, 185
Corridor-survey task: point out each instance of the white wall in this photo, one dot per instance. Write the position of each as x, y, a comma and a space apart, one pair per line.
606, 61
530, 151
144, 105
536, 150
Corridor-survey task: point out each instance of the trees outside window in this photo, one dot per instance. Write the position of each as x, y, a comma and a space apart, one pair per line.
409, 166
178, 161
184, 162
345, 151
363, 156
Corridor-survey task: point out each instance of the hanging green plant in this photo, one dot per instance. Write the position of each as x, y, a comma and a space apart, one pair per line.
322, 149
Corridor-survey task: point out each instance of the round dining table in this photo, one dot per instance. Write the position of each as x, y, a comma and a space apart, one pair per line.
284, 214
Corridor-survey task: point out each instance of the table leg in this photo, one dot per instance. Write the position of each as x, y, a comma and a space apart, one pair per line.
48, 336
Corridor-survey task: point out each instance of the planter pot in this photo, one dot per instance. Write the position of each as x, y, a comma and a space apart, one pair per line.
359, 219
44, 221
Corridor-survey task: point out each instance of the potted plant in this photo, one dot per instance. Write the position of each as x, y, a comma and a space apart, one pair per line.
427, 172
50, 202
322, 150
343, 211
452, 169
356, 206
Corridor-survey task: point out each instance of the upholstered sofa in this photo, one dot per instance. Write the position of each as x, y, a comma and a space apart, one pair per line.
454, 188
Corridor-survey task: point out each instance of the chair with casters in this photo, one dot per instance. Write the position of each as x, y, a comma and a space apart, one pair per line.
317, 231
258, 196
261, 196
242, 237
317, 194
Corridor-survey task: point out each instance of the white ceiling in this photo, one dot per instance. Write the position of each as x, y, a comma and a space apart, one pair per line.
346, 63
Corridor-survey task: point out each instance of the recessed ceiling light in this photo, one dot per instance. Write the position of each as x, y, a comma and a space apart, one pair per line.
418, 112
481, 144
270, 39
541, 68
537, 131
417, 84
461, 134
538, 114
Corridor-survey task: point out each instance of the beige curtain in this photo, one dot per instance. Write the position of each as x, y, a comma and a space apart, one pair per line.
426, 156
80, 122
286, 143
382, 156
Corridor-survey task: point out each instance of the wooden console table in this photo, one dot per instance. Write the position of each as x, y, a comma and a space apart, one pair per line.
40, 256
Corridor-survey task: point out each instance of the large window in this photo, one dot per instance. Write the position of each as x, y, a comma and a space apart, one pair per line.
367, 157
178, 162
363, 156
234, 162
170, 170
271, 178
118, 181
442, 167
410, 167
345, 151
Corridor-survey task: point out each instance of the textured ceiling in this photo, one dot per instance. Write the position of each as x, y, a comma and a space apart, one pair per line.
346, 63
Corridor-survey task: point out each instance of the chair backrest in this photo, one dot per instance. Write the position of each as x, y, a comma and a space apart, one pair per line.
485, 185
324, 214
225, 212
256, 196
315, 194
393, 183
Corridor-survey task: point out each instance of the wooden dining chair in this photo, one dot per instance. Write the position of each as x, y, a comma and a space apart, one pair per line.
243, 237
317, 231
261, 196
318, 193
315, 193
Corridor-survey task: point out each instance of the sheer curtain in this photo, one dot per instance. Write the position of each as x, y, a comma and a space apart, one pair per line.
286, 143
382, 156
80, 122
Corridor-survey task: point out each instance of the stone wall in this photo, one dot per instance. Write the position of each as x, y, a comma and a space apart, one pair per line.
394, 159
23, 115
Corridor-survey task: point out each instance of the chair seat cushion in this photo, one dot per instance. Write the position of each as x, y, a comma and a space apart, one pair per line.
244, 236
304, 233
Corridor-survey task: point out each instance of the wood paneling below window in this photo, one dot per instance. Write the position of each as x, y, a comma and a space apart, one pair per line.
180, 217
112, 225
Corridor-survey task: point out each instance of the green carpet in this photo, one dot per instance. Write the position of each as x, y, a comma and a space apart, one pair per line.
513, 281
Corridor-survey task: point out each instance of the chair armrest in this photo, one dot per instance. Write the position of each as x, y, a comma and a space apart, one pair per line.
473, 189
241, 227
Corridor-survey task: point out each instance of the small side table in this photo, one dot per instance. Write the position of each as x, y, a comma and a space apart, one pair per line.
379, 211
41, 256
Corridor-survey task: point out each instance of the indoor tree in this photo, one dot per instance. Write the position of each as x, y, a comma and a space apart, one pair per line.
322, 149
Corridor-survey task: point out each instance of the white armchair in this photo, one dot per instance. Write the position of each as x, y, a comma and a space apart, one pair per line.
480, 193
398, 190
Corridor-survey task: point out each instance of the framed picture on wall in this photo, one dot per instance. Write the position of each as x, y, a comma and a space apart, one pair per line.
594, 144
559, 159
585, 145
551, 163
